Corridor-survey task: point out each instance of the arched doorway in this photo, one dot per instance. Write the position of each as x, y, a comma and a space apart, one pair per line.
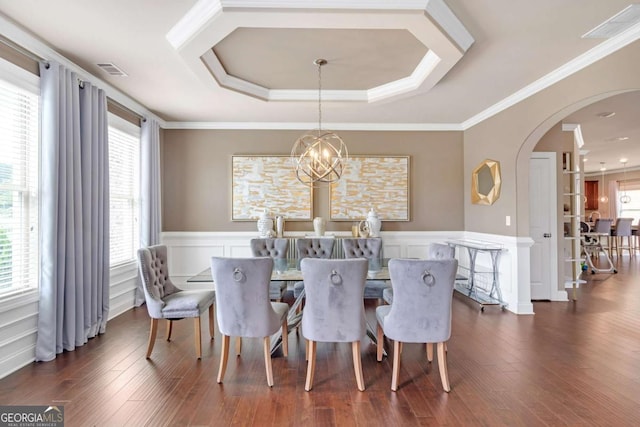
524, 154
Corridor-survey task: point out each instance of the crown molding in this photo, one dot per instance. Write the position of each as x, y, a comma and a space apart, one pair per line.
594, 54
431, 22
41, 49
408, 127
204, 10
577, 132
186, 28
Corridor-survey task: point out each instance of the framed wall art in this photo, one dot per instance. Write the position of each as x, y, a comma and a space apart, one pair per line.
268, 182
381, 183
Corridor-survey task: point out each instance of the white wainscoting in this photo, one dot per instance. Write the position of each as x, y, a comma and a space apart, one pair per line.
190, 252
19, 318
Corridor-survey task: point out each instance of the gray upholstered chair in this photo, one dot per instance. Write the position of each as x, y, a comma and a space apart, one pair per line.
371, 249
622, 231
167, 301
276, 249
434, 251
603, 226
421, 309
334, 309
312, 248
440, 251
244, 309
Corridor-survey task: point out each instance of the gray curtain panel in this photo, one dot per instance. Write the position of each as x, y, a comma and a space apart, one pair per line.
74, 281
150, 203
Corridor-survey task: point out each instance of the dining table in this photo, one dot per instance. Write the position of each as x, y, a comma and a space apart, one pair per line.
288, 269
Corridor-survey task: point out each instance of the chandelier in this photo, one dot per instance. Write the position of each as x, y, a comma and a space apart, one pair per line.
625, 198
319, 156
603, 197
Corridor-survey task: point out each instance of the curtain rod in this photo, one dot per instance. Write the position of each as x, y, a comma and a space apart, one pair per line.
27, 53
13, 45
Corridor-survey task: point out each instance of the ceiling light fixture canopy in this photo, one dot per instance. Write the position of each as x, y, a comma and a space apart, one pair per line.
625, 198
319, 156
603, 197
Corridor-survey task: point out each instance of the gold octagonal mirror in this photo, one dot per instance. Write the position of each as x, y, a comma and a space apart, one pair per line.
486, 183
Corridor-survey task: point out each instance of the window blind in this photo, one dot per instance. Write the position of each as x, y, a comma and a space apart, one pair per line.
19, 173
124, 178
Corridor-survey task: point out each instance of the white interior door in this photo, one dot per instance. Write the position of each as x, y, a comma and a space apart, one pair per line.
543, 192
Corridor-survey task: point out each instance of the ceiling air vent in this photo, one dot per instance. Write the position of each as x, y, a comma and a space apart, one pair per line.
112, 69
613, 26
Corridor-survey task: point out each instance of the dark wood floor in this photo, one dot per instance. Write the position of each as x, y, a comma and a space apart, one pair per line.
570, 364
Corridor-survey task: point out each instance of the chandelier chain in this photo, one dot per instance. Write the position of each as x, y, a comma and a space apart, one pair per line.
319, 95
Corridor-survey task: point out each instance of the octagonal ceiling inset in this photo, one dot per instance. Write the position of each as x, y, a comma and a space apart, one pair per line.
283, 58
386, 49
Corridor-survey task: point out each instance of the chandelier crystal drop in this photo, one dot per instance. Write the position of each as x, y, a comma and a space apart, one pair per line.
319, 157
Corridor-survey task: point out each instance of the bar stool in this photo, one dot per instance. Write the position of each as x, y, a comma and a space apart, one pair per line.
622, 230
603, 226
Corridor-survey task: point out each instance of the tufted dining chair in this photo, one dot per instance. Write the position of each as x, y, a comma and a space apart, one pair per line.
312, 248
371, 249
421, 309
276, 249
434, 251
440, 251
244, 309
334, 311
166, 301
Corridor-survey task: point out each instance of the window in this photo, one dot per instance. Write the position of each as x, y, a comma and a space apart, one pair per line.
19, 174
632, 209
124, 178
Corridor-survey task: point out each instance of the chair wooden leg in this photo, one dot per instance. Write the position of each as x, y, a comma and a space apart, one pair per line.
285, 338
397, 349
211, 324
224, 356
169, 329
198, 337
379, 343
238, 345
267, 361
442, 366
306, 350
357, 364
153, 331
311, 365
430, 351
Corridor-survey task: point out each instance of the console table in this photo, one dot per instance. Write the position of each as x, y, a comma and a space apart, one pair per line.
470, 283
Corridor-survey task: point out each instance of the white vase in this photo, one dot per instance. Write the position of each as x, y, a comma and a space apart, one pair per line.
319, 226
279, 226
374, 223
265, 225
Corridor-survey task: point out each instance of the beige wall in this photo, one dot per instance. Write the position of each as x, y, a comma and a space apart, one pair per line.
511, 135
196, 171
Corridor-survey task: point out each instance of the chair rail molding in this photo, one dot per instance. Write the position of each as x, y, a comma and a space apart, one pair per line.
190, 253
